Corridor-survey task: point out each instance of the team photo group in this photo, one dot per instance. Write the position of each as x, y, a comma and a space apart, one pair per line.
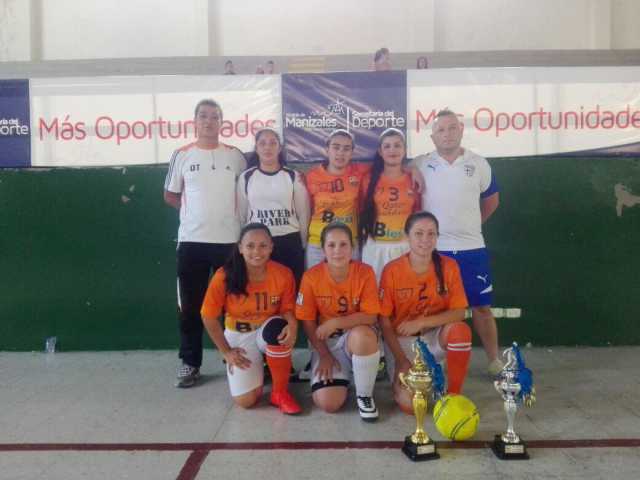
364, 258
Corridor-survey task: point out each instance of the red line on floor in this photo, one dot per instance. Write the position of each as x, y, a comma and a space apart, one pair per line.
587, 443
192, 466
211, 446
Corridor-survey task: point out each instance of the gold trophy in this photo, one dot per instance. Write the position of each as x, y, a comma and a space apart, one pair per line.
419, 447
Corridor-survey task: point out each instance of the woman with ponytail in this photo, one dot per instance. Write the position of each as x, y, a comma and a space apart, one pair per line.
271, 193
422, 296
389, 198
256, 295
334, 189
338, 305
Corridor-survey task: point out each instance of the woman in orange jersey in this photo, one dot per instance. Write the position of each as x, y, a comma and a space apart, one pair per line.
257, 296
423, 296
338, 305
334, 188
389, 198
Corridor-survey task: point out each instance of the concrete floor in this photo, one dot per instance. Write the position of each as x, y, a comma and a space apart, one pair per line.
117, 415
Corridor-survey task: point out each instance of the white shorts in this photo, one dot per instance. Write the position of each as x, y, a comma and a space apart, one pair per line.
338, 348
378, 254
430, 337
243, 381
314, 255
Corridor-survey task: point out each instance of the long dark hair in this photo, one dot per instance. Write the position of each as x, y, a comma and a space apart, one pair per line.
235, 268
254, 161
369, 214
435, 256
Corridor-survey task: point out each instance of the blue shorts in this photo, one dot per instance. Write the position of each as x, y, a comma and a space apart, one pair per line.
476, 275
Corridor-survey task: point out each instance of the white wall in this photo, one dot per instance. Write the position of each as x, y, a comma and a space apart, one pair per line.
323, 27
625, 31
15, 25
76, 29
517, 24
334, 27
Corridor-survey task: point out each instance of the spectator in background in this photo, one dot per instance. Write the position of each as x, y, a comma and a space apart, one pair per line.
228, 68
422, 63
259, 70
382, 60
270, 68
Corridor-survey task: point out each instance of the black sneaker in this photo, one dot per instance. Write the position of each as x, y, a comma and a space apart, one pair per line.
367, 409
267, 374
187, 376
382, 370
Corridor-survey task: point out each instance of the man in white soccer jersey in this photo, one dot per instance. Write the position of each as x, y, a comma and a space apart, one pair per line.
201, 184
462, 193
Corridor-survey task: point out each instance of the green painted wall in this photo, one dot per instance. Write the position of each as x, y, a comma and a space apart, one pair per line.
78, 262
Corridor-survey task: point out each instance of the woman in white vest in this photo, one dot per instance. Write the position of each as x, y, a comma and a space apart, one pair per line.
273, 194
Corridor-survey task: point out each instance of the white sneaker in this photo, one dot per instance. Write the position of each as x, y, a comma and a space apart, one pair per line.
495, 367
187, 376
367, 409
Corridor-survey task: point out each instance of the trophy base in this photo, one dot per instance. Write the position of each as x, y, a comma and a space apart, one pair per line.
509, 451
420, 452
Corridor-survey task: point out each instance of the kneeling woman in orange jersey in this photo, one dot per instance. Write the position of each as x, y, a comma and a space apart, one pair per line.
257, 296
338, 303
423, 296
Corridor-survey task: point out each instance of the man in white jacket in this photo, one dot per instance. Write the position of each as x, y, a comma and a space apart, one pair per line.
201, 184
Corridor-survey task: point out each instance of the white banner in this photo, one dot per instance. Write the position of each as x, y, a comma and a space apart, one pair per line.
510, 112
99, 121
113, 121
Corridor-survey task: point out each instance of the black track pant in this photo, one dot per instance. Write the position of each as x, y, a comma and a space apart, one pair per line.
196, 264
287, 250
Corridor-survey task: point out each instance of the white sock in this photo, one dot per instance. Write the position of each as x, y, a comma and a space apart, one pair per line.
365, 369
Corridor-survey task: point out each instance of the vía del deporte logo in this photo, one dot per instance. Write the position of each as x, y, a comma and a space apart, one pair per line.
11, 127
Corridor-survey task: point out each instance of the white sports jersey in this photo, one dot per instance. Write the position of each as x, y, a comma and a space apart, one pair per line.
453, 193
207, 181
278, 200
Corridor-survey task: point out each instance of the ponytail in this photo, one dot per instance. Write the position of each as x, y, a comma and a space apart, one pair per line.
437, 264
368, 213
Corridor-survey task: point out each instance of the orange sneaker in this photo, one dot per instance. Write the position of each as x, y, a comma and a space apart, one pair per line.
285, 402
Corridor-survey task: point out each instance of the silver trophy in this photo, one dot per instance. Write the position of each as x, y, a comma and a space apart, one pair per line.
515, 385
